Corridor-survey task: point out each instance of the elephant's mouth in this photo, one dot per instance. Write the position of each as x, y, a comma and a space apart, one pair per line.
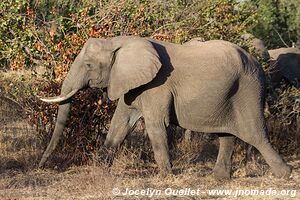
95, 83
104, 95
104, 90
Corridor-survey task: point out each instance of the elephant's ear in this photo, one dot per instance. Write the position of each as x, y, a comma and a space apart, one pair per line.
136, 63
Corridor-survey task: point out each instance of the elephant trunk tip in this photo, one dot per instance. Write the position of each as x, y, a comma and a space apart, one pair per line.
107, 143
41, 163
110, 143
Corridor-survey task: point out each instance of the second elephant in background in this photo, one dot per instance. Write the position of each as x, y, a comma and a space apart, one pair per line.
258, 45
285, 63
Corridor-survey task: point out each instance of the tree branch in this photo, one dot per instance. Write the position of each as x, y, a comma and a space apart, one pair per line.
281, 38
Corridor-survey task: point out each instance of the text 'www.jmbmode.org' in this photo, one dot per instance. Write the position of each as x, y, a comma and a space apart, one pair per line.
151, 192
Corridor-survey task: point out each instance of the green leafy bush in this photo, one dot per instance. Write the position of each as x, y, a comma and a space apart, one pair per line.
278, 22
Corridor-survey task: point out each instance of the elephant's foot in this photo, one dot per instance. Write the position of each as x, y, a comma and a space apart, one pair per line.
284, 171
164, 174
42, 162
221, 172
165, 170
279, 168
107, 156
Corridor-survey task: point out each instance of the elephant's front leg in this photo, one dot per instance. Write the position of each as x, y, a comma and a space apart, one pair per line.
158, 136
156, 112
222, 167
123, 121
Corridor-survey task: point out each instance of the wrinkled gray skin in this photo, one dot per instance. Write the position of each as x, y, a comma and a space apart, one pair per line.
214, 87
285, 62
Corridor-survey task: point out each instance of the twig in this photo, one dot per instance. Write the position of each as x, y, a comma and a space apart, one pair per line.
12, 101
281, 39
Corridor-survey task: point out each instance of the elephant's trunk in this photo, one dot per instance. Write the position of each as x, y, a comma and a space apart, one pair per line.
75, 80
63, 112
62, 117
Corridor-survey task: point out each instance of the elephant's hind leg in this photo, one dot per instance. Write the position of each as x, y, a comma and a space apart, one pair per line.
222, 169
261, 143
252, 129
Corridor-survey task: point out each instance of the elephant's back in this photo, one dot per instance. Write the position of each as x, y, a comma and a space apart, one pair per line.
275, 53
214, 58
287, 60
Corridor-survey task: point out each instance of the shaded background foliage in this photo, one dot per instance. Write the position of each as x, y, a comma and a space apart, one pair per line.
278, 22
45, 37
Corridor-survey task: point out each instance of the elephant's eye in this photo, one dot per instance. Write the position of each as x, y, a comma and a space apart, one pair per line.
89, 65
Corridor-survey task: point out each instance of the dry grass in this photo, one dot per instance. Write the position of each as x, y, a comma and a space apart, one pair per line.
97, 182
19, 143
193, 163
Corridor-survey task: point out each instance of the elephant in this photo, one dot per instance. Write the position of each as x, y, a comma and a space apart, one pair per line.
285, 63
258, 45
215, 87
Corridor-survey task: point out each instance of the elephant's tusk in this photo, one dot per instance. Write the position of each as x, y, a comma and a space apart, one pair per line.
59, 98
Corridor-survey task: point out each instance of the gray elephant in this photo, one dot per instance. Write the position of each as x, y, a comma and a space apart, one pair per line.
214, 87
258, 45
285, 62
